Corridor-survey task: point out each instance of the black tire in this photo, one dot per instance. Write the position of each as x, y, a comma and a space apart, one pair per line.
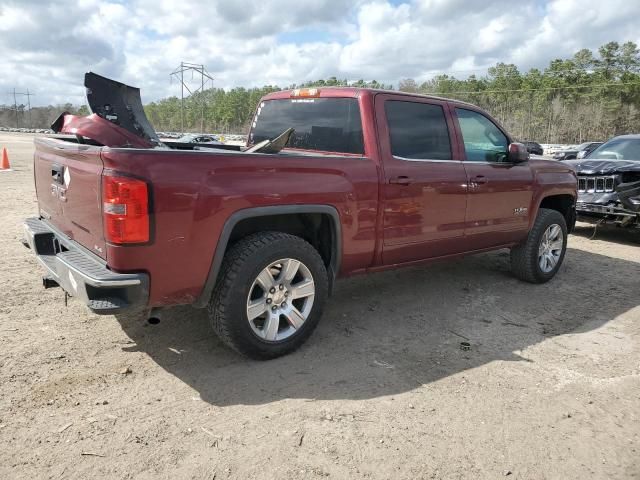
524, 257
240, 268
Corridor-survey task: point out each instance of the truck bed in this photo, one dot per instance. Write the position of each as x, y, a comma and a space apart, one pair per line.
193, 193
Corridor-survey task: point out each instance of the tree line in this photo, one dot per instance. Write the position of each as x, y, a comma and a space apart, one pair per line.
36, 117
590, 96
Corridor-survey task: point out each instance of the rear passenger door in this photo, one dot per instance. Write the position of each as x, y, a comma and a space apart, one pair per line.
500, 192
424, 191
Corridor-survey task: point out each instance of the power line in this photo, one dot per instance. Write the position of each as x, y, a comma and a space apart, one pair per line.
543, 71
60, 94
520, 72
539, 89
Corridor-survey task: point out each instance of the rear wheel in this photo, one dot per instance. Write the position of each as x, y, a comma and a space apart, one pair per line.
539, 257
270, 294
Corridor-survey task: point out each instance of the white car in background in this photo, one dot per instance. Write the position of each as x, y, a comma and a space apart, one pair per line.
199, 138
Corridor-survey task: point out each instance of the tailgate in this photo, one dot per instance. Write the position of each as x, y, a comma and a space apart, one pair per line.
68, 185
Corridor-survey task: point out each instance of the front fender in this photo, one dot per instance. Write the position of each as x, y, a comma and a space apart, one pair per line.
553, 182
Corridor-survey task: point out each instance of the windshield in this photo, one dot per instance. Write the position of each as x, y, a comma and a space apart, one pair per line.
618, 149
323, 124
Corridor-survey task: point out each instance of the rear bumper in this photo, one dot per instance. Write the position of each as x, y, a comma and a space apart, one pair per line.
82, 274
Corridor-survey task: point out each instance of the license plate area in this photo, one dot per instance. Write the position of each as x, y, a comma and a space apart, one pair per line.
47, 244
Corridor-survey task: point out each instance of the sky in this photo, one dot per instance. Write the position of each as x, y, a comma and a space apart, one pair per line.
46, 46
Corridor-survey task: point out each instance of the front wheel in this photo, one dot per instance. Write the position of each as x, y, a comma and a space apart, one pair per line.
539, 257
270, 294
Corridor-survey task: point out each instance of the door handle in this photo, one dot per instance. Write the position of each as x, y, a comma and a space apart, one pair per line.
479, 180
401, 180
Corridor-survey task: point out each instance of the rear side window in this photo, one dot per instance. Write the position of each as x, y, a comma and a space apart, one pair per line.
418, 130
323, 124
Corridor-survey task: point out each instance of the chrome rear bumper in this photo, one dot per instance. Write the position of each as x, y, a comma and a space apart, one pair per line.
82, 274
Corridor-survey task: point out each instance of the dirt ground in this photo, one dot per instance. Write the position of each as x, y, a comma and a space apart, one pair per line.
550, 388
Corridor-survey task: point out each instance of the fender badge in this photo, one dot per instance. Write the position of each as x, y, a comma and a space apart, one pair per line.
520, 211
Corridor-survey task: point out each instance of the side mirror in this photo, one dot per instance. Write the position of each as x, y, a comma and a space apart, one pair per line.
582, 154
517, 153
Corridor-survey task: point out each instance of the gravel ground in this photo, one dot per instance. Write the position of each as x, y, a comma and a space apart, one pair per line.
550, 388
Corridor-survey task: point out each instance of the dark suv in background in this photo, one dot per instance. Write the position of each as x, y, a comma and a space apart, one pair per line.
580, 151
534, 147
609, 183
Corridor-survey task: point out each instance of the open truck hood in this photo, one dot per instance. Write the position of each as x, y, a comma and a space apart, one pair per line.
117, 120
68, 175
588, 166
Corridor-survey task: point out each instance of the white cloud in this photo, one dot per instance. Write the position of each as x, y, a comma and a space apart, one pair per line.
569, 25
47, 46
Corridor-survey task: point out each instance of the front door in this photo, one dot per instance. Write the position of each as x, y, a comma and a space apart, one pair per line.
424, 194
500, 192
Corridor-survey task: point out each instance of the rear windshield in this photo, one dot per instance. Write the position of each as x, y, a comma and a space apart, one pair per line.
324, 124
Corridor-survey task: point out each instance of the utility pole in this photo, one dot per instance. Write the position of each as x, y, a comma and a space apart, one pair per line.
29, 108
204, 77
202, 90
181, 98
15, 107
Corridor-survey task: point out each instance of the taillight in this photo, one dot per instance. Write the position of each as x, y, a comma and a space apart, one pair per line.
125, 209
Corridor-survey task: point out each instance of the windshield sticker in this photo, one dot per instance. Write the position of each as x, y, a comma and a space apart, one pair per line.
255, 117
303, 100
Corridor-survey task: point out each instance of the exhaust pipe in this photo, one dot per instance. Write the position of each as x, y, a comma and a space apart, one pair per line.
48, 282
155, 315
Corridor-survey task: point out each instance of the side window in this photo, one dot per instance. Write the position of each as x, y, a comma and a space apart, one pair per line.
483, 140
417, 130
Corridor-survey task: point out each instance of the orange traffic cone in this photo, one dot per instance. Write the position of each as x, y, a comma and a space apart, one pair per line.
4, 165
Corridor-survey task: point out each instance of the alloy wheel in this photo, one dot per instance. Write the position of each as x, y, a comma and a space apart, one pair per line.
550, 248
280, 299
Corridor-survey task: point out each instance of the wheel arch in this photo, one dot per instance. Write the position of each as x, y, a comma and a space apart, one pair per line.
562, 202
286, 218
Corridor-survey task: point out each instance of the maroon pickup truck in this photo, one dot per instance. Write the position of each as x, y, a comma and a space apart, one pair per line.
332, 182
